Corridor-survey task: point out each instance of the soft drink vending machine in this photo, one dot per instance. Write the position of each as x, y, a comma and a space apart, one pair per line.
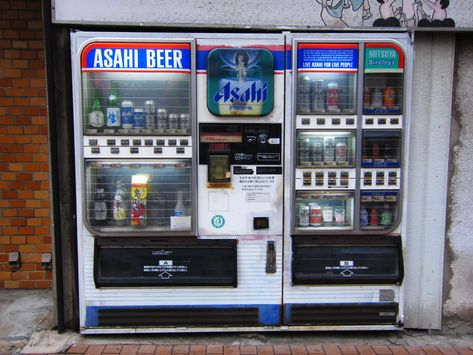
347, 127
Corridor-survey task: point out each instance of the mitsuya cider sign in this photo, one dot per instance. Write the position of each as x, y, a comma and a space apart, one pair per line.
240, 82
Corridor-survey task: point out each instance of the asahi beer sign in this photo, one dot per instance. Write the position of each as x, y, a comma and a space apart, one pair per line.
240, 82
138, 57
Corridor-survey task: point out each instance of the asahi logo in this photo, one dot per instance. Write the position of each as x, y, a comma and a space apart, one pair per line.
241, 92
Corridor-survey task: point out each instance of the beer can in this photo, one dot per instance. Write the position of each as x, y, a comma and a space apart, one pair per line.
339, 214
138, 118
329, 150
332, 96
386, 218
317, 93
126, 113
173, 121
341, 153
161, 119
150, 114
374, 217
303, 99
304, 152
317, 152
184, 121
315, 215
327, 215
303, 215
389, 96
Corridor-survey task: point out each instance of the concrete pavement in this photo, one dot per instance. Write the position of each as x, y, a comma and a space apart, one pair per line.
27, 327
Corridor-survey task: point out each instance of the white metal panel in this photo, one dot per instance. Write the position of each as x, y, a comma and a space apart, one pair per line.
252, 279
428, 175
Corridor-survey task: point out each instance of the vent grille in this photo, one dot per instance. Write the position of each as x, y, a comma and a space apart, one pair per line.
342, 314
166, 317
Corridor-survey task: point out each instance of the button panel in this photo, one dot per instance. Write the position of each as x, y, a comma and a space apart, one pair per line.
326, 122
314, 179
384, 122
379, 179
169, 147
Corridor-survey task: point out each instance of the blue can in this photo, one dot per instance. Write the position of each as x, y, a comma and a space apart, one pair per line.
126, 112
363, 217
139, 118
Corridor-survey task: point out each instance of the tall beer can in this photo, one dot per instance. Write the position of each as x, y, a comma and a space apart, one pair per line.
184, 122
126, 112
329, 150
303, 215
138, 118
150, 114
341, 153
173, 122
317, 96
317, 152
303, 99
304, 152
332, 97
161, 119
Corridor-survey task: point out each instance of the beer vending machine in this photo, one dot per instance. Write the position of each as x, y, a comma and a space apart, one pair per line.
229, 182
347, 129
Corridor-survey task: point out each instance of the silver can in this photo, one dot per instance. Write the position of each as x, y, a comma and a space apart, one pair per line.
303, 215
150, 114
329, 150
184, 121
173, 121
161, 119
303, 91
139, 118
304, 152
317, 93
341, 153
317, 152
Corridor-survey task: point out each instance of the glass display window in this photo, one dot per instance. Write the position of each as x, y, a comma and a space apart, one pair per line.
325, 149
140, 196
324, 210
379, 210
381, 149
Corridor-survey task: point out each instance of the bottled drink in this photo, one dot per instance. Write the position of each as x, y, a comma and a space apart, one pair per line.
113, 107
317, 96
374, 217
96, 118
303, 92
377, 100
173, 122
119, 208
386, 216
364, 217
100, 206
179, 210
150, 114
184, 121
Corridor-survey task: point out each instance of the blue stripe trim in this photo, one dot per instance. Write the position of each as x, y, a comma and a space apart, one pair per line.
269, 314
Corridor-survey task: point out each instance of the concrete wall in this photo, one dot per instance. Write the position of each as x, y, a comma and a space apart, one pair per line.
458, 285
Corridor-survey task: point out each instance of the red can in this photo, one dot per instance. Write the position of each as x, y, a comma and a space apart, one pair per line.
389, 96
315, 215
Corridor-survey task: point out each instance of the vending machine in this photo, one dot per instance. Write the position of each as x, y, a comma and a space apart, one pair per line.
346, 127
179, 180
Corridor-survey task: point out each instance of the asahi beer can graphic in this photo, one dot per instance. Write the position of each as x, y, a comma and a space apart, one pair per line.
240, 82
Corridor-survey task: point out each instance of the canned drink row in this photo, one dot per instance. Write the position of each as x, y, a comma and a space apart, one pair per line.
314, 215
323, 151
149, 117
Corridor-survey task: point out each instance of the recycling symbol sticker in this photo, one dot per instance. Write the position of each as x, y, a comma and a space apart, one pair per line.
218, 221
